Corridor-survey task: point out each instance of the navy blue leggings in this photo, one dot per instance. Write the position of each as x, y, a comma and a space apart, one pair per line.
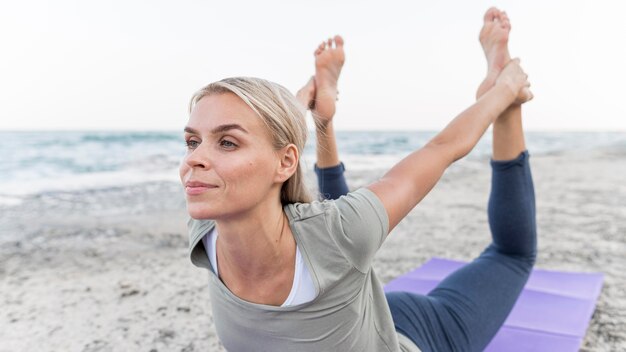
468, 307
331, 181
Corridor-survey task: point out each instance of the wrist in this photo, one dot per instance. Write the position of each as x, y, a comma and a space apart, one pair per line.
322, 127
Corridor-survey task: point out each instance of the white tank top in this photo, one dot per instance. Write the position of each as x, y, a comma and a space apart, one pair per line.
303, 289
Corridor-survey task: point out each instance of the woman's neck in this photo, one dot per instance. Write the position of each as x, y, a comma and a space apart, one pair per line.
255, 245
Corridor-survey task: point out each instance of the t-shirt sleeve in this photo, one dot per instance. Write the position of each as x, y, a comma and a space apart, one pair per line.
197, 230
364, 225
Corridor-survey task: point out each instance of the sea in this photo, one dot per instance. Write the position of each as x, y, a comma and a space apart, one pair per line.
37, 162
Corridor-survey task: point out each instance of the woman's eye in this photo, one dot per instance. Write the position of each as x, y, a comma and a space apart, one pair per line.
191, 144
227, 144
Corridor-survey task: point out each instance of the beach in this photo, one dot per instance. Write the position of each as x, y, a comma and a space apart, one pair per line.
107, 269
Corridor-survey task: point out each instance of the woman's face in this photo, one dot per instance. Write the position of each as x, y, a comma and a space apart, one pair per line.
230, 165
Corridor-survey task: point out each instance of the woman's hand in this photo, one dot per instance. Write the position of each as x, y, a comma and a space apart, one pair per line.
514, 78
409, 181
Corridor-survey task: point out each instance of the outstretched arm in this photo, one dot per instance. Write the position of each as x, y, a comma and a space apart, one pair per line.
409, 181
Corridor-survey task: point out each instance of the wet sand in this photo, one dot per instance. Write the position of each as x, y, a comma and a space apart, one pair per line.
107, 270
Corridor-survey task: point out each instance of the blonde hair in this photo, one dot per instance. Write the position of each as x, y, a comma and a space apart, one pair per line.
279, 110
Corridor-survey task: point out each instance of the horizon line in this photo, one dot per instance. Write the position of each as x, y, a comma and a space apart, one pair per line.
131, 130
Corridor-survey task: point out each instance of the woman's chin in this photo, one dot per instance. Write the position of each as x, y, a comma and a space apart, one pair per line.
201, 213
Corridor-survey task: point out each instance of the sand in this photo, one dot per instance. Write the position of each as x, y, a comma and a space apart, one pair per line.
107, 270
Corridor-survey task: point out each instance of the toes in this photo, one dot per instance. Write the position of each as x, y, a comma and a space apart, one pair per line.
320, 48
491, 14
506, 23
331, 43
338, 41
498, 17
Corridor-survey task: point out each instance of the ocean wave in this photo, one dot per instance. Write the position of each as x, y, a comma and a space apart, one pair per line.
34, 162
132, 137
14, 190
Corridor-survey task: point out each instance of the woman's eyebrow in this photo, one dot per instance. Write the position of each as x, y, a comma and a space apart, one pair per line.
227, 127
191, 130
218, 129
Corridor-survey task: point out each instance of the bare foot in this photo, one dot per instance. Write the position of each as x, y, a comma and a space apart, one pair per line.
329, 59
494, 38
306, 94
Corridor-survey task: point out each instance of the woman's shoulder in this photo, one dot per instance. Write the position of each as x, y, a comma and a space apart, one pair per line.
342, 233
302, 211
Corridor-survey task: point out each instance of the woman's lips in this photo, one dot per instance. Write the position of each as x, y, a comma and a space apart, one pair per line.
194, 188
194, 191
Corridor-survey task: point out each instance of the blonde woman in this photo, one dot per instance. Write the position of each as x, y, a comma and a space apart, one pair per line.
291, 274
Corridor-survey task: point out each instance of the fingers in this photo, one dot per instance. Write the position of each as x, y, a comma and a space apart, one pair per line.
526, 95
514, 76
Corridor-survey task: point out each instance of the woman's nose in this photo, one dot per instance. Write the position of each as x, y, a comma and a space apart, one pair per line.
196, 159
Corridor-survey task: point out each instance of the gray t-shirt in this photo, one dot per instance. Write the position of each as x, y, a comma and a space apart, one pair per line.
338, 240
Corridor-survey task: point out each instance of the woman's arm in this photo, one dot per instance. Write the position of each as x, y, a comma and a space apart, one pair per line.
326, 144
328, 169
409, 181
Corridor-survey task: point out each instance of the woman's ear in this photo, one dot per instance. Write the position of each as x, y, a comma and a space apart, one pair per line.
287, 163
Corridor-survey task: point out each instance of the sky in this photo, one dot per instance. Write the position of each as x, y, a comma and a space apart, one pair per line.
133, 65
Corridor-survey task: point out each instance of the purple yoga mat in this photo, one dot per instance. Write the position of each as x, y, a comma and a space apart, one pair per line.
551, 314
